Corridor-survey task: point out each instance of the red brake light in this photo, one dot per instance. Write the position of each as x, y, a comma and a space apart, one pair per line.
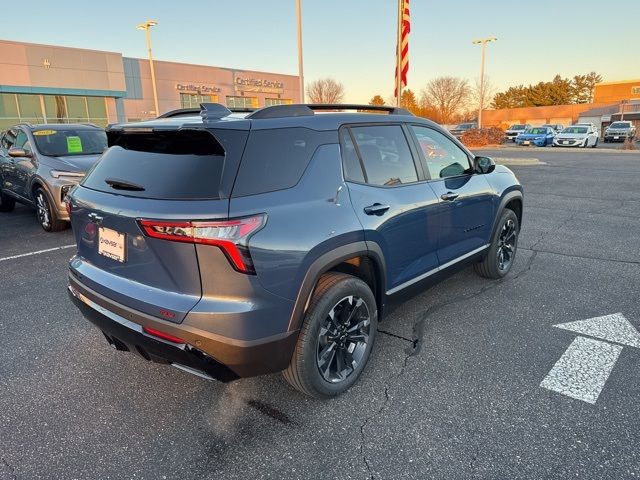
231, 236
165, 336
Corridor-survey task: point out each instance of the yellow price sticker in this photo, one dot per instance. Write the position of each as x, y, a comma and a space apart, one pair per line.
44, 132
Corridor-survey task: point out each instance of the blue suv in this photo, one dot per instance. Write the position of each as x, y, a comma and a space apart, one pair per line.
233, 245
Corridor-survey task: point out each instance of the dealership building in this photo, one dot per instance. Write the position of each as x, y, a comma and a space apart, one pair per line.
612, 101
46, 83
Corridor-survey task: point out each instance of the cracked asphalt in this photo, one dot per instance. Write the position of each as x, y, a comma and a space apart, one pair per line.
452, 389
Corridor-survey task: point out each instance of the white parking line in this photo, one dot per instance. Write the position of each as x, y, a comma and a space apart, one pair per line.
13, 257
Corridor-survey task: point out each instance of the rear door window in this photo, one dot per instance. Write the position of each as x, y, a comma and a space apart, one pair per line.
385, 155
177, 165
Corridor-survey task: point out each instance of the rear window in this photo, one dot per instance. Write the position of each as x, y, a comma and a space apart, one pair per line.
275, 159
64, 142
177, 165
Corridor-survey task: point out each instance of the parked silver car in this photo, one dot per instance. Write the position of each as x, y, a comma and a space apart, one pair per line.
39, 165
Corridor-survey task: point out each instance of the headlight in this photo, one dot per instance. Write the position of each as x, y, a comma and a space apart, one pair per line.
62, 173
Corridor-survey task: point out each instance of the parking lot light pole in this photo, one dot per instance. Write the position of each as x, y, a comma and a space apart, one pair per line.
300, 69
146, 26
483, 42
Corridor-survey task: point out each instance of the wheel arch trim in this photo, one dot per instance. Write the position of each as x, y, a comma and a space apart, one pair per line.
324, 263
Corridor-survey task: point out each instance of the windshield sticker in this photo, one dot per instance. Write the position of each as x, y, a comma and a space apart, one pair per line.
74, 145
44, 132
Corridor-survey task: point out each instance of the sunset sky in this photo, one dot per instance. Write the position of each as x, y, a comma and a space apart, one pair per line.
353, 40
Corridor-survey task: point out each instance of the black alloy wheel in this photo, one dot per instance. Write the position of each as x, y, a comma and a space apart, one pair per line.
501, 254
343, 339
507, 242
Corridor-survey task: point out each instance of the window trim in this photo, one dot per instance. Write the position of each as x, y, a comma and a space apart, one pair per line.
423, 159
416, 163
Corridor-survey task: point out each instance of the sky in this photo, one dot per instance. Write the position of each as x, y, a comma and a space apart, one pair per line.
353, 41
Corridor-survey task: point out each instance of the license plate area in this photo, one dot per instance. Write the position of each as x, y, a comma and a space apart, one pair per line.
111, 244
526, 142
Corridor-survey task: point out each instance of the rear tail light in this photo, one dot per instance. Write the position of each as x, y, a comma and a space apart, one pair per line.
164, 336
231, 236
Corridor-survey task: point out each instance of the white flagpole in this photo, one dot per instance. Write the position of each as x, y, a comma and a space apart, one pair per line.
399, 55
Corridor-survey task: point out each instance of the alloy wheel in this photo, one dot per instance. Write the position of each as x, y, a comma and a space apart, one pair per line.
507, 245
343, 339
42, 208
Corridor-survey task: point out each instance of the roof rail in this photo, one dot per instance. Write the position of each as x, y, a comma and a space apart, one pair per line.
303, 110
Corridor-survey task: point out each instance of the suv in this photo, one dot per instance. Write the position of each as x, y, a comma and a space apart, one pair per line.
620, 131
232, 247
461, 129
39, 165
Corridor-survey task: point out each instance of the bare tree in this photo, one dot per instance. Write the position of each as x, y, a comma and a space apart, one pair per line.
325, 90
483, 93
446, 97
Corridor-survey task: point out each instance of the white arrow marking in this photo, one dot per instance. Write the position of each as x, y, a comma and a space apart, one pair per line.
613, 328
584, 368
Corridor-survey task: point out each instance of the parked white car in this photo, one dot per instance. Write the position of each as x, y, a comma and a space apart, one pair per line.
577, 136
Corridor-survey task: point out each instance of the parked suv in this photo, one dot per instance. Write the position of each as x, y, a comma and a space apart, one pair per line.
461, 129
232, 247
39, 165
514, 130
620, 131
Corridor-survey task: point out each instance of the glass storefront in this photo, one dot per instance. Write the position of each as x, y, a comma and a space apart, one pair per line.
193, 100
23, 107
242, 102
268, 102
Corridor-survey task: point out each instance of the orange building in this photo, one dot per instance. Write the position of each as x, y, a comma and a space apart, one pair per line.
553, 114
609, 100
608, 92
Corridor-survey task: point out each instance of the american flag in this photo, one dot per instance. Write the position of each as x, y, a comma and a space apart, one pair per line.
405, 29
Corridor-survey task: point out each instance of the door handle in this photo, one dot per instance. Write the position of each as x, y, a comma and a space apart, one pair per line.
449, 196
376, 209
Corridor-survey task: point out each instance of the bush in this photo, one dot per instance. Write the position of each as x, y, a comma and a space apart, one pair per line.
629, 145
481, 137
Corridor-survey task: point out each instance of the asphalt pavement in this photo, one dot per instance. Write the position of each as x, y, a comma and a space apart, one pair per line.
452, 389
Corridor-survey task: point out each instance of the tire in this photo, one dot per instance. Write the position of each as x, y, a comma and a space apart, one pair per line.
490, 266
335, 292
595, 144
7, 203
47, 217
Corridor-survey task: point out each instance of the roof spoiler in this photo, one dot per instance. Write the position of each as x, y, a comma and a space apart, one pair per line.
305, 110
206, 111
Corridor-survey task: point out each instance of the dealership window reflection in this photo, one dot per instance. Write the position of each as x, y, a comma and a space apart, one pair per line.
242, 102
193, 100
23, 107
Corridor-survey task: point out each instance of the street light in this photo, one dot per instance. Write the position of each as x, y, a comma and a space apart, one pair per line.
300, 69
483, 42
146, 26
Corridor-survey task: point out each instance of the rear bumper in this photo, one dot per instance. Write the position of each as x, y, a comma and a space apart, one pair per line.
203, 353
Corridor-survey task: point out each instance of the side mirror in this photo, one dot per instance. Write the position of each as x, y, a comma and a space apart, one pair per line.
16, 152
484, 165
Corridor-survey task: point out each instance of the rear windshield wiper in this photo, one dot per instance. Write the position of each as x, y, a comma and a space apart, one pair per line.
123, 185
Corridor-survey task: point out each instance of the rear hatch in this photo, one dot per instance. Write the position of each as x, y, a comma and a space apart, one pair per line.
169, 176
